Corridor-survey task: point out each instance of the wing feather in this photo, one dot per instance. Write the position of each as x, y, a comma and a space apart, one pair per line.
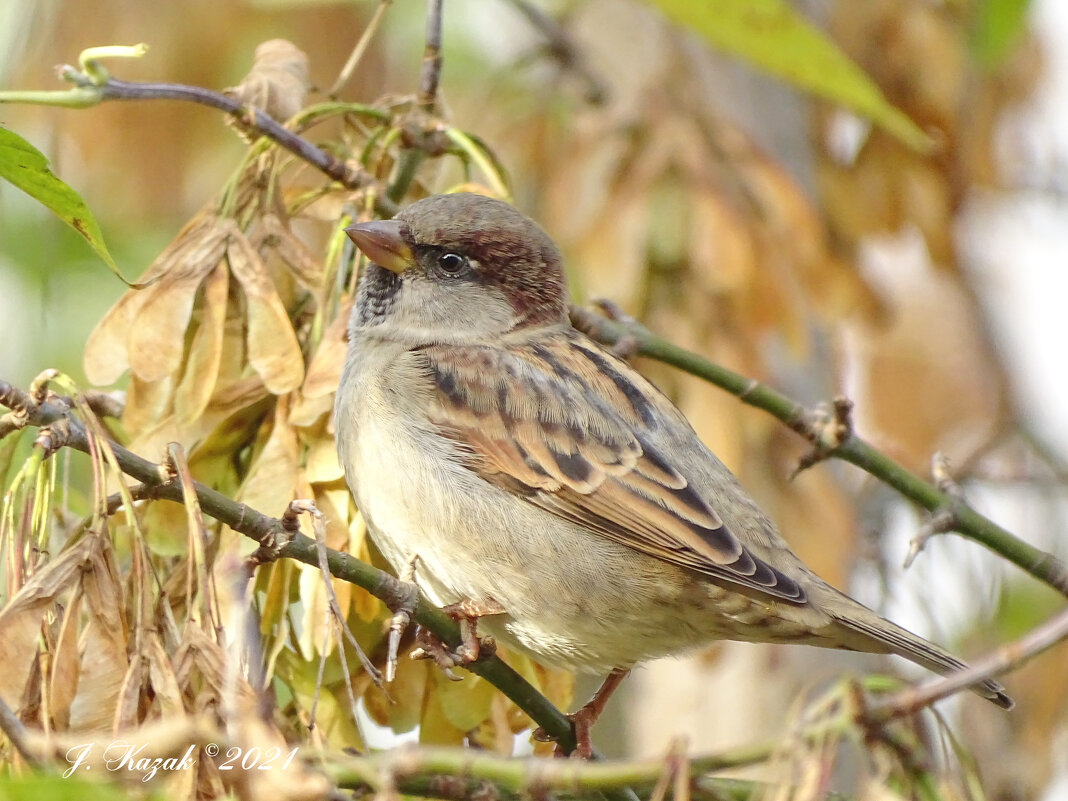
571, 429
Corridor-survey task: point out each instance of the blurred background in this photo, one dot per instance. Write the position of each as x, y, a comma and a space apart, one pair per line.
732, 214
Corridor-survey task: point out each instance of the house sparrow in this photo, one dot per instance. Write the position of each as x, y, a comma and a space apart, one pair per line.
539, 482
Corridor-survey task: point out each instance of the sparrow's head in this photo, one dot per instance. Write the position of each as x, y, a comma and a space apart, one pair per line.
459, 266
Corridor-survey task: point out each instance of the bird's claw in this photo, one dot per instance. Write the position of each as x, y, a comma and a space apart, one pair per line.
431, 647
406, 596
471, 647
581, 721
583, 718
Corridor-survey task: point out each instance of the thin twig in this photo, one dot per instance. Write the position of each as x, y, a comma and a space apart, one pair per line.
361, 47
12, 727
248, 117
430, 75
93, 90
1042, 565
319, 527
563, 50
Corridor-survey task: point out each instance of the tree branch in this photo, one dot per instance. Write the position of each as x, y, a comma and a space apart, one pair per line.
268, 532
91, 90
465, 773
430, 75
968, 523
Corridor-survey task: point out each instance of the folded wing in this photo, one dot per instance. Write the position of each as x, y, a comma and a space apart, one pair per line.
572, 430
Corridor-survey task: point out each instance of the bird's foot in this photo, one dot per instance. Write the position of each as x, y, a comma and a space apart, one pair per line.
466, 613
405, 596
471, 648
582, 719
431, 647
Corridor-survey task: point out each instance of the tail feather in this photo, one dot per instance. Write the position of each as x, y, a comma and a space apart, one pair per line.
926, 654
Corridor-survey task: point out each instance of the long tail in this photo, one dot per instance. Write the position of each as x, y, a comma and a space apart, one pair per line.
916, 649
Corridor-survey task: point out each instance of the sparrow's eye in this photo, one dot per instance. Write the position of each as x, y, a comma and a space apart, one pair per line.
451, 262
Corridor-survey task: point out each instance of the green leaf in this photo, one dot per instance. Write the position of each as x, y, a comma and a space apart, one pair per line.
773, 37
27, 168
998, 25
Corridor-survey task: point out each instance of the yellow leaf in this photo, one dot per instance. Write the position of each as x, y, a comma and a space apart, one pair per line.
324, 372
464, 704
407, 691
321, 462
435, 727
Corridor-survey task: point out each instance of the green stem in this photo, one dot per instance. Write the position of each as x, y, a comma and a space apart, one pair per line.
426, 771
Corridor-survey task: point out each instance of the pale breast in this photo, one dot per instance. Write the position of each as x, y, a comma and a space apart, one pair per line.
573, 597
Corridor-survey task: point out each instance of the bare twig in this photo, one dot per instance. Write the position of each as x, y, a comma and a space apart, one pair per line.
361, 47
828, 430
942, 520
1038, 563
105, 404
249, 118
95, 89
430, 75
15, 732
319, 526
563, 50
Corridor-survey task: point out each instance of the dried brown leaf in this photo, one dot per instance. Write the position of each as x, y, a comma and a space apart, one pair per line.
932, 339
104, 647
166, 692
21, 618
155, 340
205, 354
105, 357
278, 81
272, 478
63, 681
321, 462
305, 267
273, 350
148, 403
721, 249
130, 694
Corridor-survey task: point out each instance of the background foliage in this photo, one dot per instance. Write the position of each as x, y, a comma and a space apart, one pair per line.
779, 235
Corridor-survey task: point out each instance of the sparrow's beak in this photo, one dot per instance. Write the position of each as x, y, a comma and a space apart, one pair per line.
382, 243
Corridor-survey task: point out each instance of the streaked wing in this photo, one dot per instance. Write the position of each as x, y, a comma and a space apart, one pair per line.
572, 429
